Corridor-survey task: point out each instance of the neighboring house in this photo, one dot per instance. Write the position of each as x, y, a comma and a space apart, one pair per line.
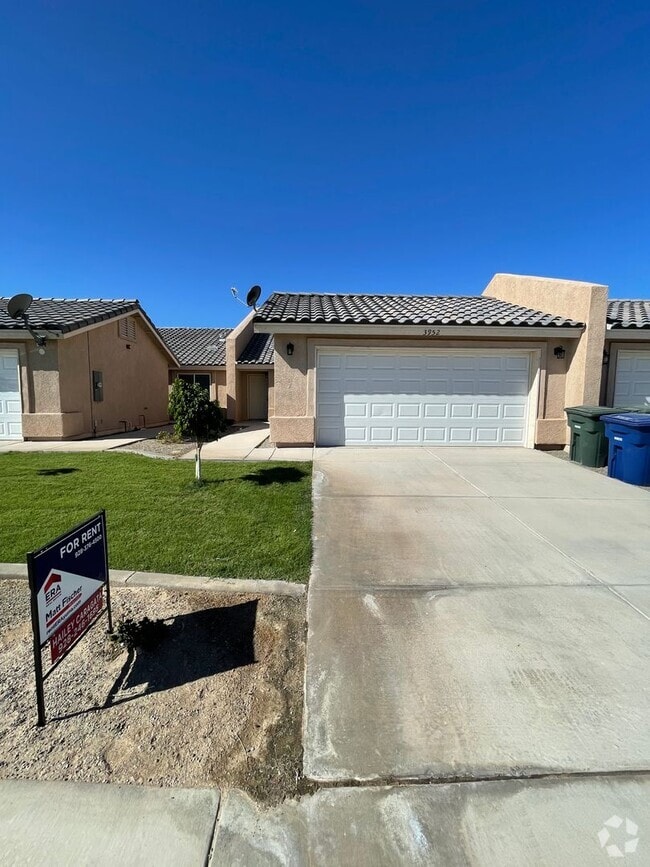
103, 369
627, 354
201, 354
235, 365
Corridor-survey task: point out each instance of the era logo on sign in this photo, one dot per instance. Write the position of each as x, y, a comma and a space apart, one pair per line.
52, 588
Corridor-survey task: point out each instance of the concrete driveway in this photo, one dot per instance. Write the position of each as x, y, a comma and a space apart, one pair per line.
475, 614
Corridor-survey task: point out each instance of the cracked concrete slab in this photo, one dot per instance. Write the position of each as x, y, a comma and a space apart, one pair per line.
492, 824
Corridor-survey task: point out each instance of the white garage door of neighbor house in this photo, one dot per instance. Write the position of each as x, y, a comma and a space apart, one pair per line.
391, 398
632, 385
11, 425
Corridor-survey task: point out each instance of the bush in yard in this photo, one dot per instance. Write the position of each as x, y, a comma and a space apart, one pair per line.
195, 415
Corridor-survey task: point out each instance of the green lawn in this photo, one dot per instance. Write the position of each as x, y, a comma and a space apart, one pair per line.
248, 520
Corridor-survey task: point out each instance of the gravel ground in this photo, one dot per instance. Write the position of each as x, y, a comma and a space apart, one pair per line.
157, 449
564, 456
217, 703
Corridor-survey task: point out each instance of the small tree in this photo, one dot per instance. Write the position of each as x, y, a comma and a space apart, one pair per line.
195, 415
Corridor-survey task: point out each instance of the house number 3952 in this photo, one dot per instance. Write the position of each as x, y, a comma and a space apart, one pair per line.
431, 332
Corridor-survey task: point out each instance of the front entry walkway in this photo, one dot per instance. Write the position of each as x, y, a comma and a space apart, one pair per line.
475, 614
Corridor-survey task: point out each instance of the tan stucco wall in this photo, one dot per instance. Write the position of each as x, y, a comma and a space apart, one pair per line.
292, 420
135, 383
235, 385
585, 302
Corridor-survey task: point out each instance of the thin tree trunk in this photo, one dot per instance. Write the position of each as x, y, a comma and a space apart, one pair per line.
197, 464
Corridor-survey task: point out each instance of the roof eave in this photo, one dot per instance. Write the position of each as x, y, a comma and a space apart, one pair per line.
426, 331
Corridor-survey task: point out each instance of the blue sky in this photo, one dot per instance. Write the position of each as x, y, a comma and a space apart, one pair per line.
167, 151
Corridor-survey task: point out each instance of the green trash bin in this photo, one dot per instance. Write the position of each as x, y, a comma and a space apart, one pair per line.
589, 444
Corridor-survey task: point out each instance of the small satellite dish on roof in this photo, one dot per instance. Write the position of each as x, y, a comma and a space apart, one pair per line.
18, 306
253, 296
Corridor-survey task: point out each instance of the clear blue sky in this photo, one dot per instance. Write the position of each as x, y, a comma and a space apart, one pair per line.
167, 151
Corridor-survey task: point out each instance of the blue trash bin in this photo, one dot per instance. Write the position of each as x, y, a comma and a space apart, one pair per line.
628, 434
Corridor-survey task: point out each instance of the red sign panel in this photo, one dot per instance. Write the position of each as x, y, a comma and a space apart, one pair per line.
76, 625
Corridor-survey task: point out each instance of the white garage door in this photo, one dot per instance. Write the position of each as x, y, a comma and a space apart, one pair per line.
11, 426
632, 386
390, 398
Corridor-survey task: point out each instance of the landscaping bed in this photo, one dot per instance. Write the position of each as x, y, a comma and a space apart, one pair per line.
247, 519
218, 702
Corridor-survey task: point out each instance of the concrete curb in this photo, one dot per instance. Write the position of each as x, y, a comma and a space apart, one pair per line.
180, 582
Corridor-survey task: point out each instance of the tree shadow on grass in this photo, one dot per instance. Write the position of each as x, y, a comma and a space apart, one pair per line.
262, 477
57, 471
275, 475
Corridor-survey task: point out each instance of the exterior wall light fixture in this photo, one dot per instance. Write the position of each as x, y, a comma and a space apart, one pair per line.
559, 352
289, 348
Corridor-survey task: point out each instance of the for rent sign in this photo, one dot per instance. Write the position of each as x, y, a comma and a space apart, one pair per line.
70, 591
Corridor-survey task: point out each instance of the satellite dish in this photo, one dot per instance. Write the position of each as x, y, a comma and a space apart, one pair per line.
18, 306
253, 296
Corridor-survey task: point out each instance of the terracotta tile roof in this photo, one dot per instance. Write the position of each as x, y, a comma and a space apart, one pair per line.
68, 314
403, 310
197, 347
259, 350
628, 314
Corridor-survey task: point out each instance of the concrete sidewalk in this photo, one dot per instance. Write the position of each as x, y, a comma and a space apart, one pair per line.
59, 824
97, 444
244, 445
497, 824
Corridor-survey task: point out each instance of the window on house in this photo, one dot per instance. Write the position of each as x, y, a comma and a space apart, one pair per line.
202, 379
126, 328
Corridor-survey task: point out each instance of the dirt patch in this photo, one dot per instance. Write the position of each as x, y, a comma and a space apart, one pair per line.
158, 449
217, 703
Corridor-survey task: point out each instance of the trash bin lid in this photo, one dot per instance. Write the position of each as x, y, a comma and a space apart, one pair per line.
629, 419
595, 411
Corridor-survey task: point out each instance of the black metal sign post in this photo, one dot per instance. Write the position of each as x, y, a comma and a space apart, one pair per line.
67, 581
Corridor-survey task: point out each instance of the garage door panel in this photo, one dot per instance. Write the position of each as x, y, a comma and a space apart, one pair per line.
409, 410
409, 435
516, 362
411, 399
514, 411
435, 410
487, 436
460, 435
632, 383
382, 410
382, 436
356, 410
10, 404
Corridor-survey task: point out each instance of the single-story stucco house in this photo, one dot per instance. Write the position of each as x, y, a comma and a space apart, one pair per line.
236, 365
496, 369
102, 368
